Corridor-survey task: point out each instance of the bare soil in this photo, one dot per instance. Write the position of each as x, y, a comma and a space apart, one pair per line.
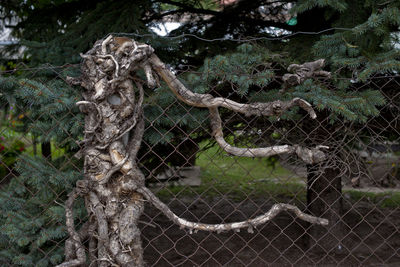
371, 237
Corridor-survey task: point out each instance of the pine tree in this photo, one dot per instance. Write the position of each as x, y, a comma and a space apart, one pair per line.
32, 215
55, 32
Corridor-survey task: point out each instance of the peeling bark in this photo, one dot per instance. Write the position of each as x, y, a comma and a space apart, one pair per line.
113, 187
304, 71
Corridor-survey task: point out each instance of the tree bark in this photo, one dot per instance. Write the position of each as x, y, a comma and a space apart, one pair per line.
113, 186
324, 199
46, 150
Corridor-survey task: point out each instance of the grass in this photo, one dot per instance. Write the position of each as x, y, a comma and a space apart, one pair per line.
382, 200
10, 136
235, 177
239, 178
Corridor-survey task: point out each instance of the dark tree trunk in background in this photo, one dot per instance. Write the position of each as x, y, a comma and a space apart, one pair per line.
324, 199
34, 145
185, 153
46, 150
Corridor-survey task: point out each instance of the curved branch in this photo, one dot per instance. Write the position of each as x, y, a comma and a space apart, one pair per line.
216, 126
135, 142
269, 215
113, 170
114, 60
207, 101
102, 225
274, 108
99, 119
310, 156
74, 236
105, 43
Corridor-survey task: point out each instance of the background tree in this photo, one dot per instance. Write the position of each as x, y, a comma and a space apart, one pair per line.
358, 39
362, 43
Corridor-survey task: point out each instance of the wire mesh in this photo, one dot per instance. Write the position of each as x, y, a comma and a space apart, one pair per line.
357, 188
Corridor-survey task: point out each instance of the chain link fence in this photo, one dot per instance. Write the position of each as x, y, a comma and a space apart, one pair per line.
357, 188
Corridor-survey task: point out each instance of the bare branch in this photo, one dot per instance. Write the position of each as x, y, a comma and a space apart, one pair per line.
75, 248
269, 215
136, 140
304, 71
102, 226
206, 100
114, 186
309, 156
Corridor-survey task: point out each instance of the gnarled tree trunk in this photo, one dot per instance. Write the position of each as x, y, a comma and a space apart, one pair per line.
113, 186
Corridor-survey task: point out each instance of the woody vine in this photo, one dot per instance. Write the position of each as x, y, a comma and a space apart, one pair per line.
113, 186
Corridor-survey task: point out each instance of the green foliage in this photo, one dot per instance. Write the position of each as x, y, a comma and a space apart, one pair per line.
8, 154
370, 46
56, 32
8, 86
46, 109
249, 68
32, 221
166, 118
350, 105
242, 69
304, 5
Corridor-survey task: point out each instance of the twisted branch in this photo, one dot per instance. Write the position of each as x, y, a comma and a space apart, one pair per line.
116, 203
274, 108
75, 239
102, 225
250, 223
309, 156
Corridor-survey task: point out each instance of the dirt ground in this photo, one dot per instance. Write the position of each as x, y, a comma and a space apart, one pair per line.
371, 237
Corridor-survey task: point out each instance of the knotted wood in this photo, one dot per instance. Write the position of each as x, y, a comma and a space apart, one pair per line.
113, 186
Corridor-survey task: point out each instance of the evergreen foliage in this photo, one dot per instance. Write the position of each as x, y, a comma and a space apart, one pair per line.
55, 32
48, 108
304, 5
32, 217
249, 68
370, 46
32, 221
